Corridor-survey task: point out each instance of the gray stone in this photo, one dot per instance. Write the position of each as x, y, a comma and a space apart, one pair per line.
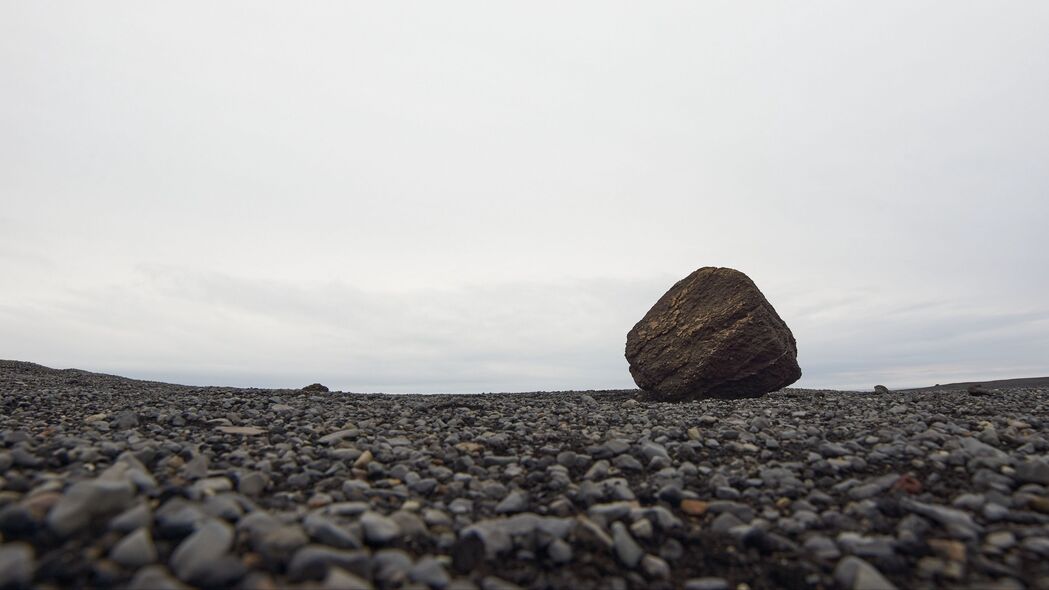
196, 558
725, 522
626, 548
853, 573
706, 583
17, 563
312, 562
177, 518
278, 543
559, 551
252, 483
428, 570
339, 579
324, 530
515, 501
391, 567
822, 548
655, 568
155, 577
338, 436
379, 529
131, 519
873, 487
86, 500
1033, 471
135, 550
958, 524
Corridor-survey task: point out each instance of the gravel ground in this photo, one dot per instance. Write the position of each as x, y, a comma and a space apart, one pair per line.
112, 482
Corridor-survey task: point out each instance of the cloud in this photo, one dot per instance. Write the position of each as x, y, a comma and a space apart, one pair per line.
512, 336
211, 328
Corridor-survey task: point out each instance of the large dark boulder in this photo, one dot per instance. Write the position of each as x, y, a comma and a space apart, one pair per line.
712, 335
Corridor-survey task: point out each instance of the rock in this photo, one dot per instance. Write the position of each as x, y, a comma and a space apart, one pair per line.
241, 430
390, 567
655, 568
338, 436
881, 389
979, 390
874, 487
133, 518
155, 577
329, 532
135, 550
1033, 471
429, 571
126, 420
959, 524
707, 583
279, 544
198, 560
339, 579
694, 507
86, 500
252, 483
853, 573
712, 335
16, 565
515, 501
178, 518
314, 388
312, 562
559, 551
626, 548
379, 529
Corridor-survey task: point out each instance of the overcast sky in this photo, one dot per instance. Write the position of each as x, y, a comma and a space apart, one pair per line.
486, 196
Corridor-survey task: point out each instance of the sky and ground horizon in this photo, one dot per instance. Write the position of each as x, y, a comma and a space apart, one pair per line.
472, 197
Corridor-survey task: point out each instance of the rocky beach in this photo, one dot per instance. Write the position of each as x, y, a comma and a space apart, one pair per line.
113, 482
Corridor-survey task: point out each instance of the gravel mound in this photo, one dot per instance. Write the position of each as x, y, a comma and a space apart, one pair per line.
113, 482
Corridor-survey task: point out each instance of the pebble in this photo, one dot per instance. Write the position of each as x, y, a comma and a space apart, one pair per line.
155, 577
853, 573
312, 562
821, 489
197, 560
626, 548
86, 500
515, 501
707, 583
135, 550
17, 563
379, 529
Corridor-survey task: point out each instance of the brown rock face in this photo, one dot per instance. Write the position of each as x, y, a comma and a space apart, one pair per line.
713, 334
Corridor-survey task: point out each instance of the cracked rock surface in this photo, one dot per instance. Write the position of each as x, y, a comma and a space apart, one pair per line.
112, 482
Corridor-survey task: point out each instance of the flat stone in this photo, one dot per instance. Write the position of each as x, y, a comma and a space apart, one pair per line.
338, 436
706, 583
242, 430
